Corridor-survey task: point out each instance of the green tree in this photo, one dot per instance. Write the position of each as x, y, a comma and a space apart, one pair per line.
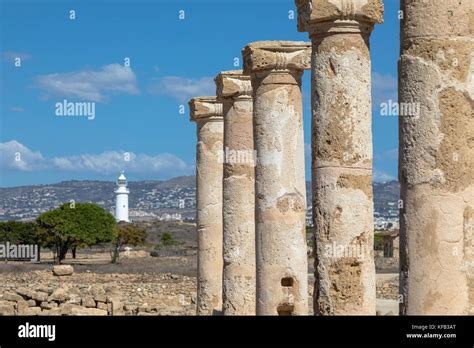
18, 232
127, 234
73, 226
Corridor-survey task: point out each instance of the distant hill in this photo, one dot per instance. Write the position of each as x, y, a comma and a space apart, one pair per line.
385, 193
386, 196
149, 196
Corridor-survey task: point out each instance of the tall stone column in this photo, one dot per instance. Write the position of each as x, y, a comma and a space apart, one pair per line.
436, 157
207, 113
342, 153
234, 90
282, 268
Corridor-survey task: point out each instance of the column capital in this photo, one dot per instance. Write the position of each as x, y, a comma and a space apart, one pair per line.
205, 108
318, 16
233, 84
276, 55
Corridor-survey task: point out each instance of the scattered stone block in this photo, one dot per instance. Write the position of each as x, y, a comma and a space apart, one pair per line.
74, 299
30, 311
63, 270
60, 295
9, 296
102, 305
48, 305
100, 298
21, 306
88, 311
67, 308
51, 312
7, 309
88, 302
24, 292
7, 303
46, 289
116, 306
39, 296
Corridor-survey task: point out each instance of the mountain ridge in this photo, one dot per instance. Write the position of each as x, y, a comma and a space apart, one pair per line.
175, 195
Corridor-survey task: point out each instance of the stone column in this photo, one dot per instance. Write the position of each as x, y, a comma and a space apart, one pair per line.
207, 113
436, 164
342, 153
276, 68
234, 90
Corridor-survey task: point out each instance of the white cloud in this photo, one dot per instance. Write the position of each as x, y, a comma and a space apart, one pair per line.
307, 153
16, 156
90, 85
182, 88
11, 56
17, 109
105, 163
390, 155
381, 176
110, 162
384, 87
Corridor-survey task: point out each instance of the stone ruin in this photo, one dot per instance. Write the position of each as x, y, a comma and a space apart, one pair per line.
251, 216
250, 179
45, 293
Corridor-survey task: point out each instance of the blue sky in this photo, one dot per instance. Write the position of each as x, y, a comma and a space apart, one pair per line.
137, 107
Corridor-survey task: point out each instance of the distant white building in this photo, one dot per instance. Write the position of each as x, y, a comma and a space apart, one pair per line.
121, 199
171, 217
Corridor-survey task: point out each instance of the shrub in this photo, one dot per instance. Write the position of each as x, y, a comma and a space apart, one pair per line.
378, 241
127, 234
167, 239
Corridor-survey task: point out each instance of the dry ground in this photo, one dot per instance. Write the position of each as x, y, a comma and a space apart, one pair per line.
144, 280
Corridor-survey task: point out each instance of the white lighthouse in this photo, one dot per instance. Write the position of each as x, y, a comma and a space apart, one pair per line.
121, 201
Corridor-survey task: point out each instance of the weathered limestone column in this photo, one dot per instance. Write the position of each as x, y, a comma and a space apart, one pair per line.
234, 90
436, 164
276, 68
207, 113
342, 153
